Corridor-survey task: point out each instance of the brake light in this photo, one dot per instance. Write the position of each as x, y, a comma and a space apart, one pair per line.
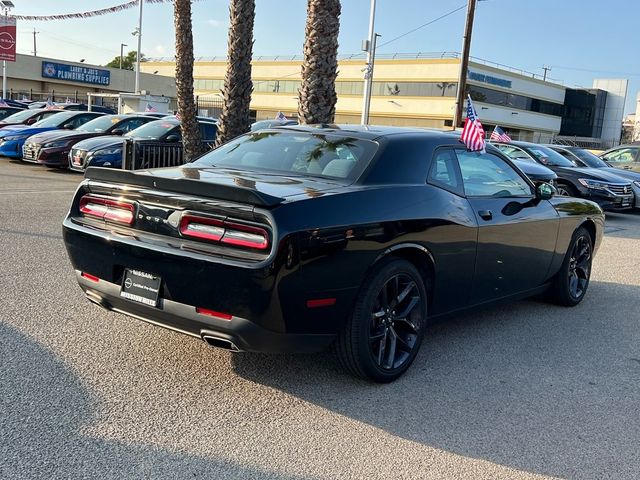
213, 313
88, 276
107, 209
224, 231
321, 302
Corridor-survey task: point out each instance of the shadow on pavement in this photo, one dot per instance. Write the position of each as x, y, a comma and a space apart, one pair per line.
43, 409
539, 388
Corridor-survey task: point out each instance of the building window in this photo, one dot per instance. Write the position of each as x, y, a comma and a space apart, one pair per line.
511, 100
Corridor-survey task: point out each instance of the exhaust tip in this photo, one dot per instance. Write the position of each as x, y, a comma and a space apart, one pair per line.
219, 342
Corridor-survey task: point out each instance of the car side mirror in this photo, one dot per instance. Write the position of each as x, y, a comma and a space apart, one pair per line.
545, 191
68, 126
31, 121
173, 138
117, 131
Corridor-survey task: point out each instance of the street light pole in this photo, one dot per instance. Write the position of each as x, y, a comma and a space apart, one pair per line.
370, 45
139, 32
122, 45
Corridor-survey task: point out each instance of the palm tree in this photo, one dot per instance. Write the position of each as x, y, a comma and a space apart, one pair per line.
234, 119
317, 96
191, 137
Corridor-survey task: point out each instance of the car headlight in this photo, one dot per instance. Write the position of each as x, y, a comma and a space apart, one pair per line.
108, 151
12, 138
56, 144
596, 185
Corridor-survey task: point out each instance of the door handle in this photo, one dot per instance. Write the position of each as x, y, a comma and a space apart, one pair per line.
485, 214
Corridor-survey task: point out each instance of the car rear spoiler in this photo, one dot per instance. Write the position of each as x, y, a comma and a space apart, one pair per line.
186, 186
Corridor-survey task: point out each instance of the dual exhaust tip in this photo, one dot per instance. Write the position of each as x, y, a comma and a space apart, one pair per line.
220, 342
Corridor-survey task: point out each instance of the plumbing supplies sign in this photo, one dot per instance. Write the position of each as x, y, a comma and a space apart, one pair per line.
76, 73
7, 39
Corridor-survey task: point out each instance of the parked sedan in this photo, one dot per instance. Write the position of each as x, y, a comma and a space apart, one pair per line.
610, 191
626, 157
296, 238
52, 148
584, 158
27, 117
107, 151
6, 111
13, 137
262, 124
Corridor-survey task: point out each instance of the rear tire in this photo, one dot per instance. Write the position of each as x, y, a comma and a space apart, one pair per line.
384, 334
572, 280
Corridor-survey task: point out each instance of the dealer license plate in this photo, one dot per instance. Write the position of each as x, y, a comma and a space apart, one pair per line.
141, 287
77, 160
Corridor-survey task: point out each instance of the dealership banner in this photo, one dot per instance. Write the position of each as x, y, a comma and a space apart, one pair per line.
7, 38
76, 73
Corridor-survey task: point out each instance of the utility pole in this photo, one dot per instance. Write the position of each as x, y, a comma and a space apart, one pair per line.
122, 45
35, 48
464, 63
139, 33
545, 68
370, 47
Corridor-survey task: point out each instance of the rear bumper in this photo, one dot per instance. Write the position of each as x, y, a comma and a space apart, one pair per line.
240, 332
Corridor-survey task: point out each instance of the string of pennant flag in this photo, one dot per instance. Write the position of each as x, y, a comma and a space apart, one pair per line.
89, 14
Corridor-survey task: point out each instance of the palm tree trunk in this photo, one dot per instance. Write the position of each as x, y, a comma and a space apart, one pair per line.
191, 137
235, 118
317, 96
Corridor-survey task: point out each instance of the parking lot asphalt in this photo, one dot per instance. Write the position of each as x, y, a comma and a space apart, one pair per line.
527, 390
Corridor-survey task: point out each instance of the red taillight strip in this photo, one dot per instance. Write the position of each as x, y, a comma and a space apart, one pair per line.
88, 276
245, 236
224, 231
321, 302
213, 313
201, 227
107, 209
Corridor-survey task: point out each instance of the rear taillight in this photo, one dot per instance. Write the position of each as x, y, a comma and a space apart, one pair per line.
224, 231
107, 209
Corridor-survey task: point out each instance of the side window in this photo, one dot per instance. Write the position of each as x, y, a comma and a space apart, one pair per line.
444, 171
486, 175
132, 124
624, 155
515, 153
208, 131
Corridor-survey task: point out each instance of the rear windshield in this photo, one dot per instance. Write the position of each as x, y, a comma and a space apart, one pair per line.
294, 153
547, 156
55, 120
100, 124
152, 131
589, 158
21, 116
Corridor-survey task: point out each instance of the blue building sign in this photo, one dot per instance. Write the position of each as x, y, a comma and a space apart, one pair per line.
76, 73
481, 77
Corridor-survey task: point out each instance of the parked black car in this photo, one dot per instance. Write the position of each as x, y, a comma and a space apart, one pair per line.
626, 157
610, 191
295, 238
585, 158
52, 148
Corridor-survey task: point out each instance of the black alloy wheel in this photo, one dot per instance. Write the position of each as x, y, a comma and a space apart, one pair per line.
383, 336
571, 282
565, 190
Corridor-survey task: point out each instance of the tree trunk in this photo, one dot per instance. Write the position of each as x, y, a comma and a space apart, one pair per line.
235, 118
317, 96
191, 137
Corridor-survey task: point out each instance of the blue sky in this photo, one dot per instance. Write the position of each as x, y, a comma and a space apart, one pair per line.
580, 39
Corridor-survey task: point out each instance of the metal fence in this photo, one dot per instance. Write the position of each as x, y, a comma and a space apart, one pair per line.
141, 154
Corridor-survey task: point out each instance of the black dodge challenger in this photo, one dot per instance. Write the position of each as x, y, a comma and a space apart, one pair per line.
297, 238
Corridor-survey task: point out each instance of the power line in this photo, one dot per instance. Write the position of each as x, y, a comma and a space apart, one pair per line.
422, 26
588, 70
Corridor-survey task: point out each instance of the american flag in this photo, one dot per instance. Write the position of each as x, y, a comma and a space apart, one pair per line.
281, 117
3, 103
473, 133
150, 108
178, 116
68, 100
499, 135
